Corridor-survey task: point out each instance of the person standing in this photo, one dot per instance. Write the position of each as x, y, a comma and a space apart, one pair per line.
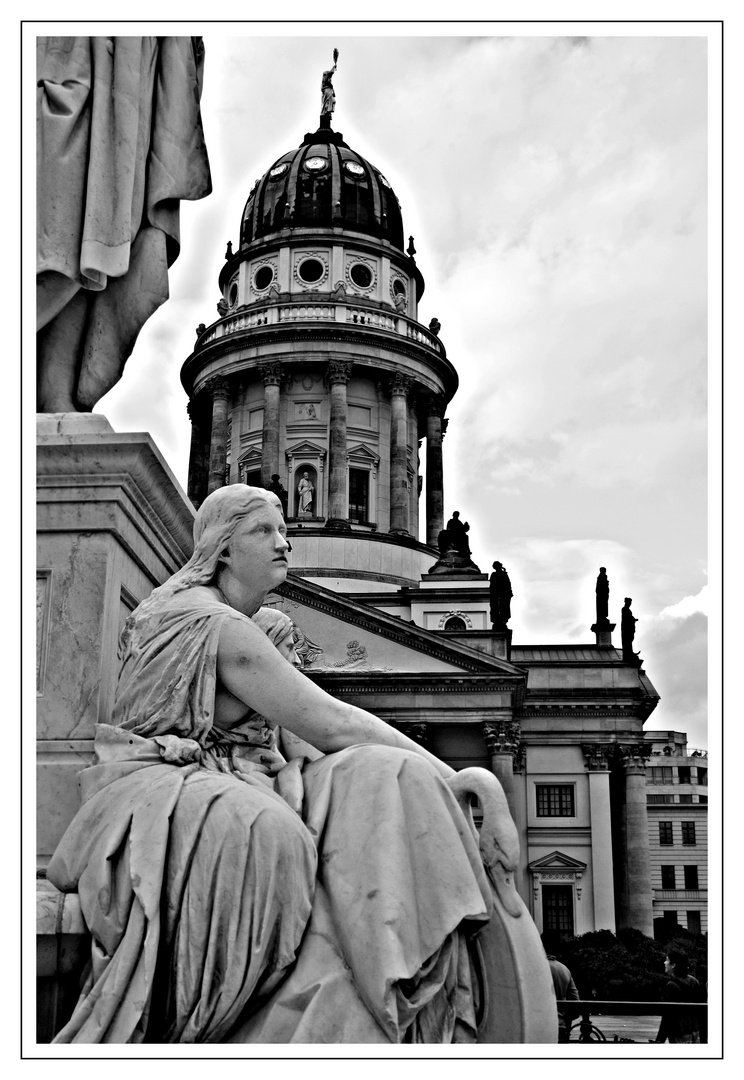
565, 990
679, 1025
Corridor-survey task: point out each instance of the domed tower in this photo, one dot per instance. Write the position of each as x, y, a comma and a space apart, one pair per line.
318, 376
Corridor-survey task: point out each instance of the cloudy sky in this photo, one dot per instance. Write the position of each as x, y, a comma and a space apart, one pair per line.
556, 190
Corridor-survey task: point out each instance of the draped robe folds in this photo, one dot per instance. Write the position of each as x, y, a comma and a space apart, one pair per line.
218, 914
119, 144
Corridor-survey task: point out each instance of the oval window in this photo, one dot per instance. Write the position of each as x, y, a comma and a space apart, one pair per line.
279, 170
355, 170
361, 275
311, 270
232, 295
399, 288
264, 277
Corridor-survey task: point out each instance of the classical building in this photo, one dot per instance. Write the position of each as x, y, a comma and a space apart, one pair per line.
677, 800
318, 380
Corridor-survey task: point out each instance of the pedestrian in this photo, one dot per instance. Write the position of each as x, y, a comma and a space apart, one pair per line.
679, 1025
565, 990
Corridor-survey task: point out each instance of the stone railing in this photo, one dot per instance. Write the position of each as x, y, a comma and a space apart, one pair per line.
317, 311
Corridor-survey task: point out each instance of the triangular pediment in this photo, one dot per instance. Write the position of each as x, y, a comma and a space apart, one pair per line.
306, 448
343, 636
363, 455
557, 861
253, 454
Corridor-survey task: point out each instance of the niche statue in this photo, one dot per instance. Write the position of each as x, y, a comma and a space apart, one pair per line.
217, 850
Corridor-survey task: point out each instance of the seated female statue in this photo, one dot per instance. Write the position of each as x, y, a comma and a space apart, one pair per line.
235, 893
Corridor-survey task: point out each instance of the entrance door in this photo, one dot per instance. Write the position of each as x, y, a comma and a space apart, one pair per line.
558, 920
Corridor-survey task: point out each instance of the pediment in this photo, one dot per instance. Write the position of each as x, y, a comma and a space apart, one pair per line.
558, 861
343, 636
363, 454
306, 448
253, 454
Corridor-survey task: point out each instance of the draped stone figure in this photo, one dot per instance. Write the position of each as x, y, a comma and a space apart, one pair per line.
627, 630
603, 596
219, 864
500, 592
119, 144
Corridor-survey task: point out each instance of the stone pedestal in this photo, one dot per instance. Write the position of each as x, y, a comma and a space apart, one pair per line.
112, 523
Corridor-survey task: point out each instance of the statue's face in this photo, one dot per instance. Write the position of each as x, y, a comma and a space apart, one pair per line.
257, 550
286, 648
304, 476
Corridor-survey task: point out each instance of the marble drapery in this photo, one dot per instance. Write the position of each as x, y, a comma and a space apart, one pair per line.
217, 913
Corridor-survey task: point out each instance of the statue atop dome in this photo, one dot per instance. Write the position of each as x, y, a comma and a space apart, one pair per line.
328, 95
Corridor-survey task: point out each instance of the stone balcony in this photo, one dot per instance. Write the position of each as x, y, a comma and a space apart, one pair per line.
318, 311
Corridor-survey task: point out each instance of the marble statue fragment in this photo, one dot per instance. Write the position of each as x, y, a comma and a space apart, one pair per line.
119, 144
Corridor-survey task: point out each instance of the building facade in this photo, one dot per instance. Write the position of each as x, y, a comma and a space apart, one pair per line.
317, 379
677, 798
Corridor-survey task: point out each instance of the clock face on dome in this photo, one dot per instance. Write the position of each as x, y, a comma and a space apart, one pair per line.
315, 163
354, 169
279, 170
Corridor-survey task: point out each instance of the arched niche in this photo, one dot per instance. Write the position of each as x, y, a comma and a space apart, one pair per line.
305, 499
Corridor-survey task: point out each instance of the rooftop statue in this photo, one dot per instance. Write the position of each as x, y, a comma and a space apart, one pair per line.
603, 595
327, 93
627, 631
454, 549
217, 849
119, 144
500, 595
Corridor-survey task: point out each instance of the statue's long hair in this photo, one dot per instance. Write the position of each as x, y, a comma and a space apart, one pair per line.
216, 521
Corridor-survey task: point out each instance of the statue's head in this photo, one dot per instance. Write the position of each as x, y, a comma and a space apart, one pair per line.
455, 513
279, 629
603, 569
497, 566
628, 601
216, 521
305, 476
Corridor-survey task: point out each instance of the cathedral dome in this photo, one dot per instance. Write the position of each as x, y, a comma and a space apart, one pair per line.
323, 184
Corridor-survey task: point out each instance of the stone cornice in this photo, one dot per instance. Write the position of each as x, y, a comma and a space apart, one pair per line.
349, 336
396, 682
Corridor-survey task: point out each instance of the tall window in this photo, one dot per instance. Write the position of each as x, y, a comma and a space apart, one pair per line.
691, 878
668, 878
358, 495
558, 910
688, 833
666, 836
555, 800
670, 917
702, 776
693, 922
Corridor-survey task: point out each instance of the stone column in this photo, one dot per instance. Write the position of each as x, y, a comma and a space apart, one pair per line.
338, 375
638, 898
597, 765
434, 470
502, 739
272, 379
220, 391
198, 466
399, 507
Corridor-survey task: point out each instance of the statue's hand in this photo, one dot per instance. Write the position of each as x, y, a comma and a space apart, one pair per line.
498, 839
289, 784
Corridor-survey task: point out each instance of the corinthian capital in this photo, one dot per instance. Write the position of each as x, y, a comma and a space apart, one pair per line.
400, 384
595, 756
218, 387
338, 371
435, 405
271, 373
633, 756
502, 736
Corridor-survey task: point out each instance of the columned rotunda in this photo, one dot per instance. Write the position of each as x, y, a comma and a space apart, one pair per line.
318, 372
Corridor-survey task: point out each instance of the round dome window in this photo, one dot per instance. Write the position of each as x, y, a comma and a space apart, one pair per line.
399, 288
311, 270
361, 275
264, 277
279, 170
232, 294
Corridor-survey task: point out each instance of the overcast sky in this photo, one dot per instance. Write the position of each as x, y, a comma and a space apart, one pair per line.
556, 190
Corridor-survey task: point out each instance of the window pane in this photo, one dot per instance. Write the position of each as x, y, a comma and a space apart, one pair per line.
558, 909
684, 774
555, 800
358, 495
702, 776
668, 878
688, 832
691, 877
693, 922
665, 832
685, 798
